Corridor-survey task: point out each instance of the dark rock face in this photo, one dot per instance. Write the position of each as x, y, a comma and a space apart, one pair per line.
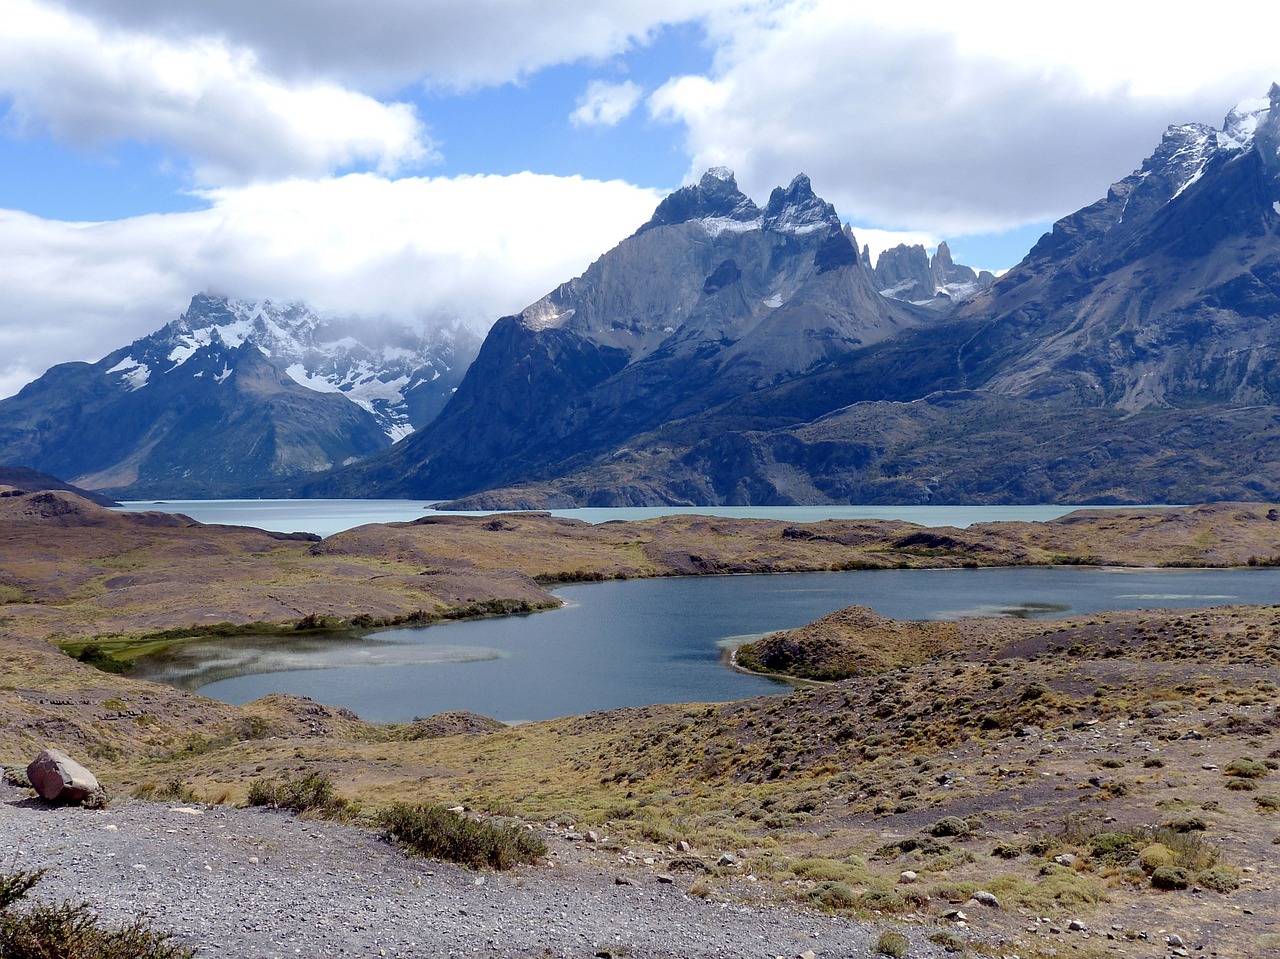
711, 300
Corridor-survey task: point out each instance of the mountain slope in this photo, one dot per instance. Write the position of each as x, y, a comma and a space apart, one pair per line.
1131, 357
712, 299
228, 396
1166, 293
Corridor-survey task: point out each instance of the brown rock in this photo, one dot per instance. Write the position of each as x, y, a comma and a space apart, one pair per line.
59, 778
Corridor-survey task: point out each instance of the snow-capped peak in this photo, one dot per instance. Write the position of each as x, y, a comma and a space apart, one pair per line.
797, 210
1242, 122
374, 363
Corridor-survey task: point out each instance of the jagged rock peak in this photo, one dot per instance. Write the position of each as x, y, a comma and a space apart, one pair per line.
714, 199
1242, 123
798, 210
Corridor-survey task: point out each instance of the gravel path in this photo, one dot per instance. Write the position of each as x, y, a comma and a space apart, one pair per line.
254, 883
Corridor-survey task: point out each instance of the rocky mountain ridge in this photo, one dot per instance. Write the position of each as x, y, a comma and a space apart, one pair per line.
231, 395
1131, 357
712, 299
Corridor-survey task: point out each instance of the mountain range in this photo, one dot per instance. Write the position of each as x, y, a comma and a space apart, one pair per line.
731, 353
728, 354
231, 395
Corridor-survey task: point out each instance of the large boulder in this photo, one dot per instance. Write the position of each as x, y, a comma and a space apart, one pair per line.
59, 778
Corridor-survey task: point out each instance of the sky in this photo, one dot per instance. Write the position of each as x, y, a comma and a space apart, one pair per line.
438, 161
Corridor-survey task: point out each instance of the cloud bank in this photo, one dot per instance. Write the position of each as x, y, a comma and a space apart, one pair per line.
424, 249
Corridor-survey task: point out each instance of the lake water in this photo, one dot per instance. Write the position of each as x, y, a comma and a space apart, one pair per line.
639, 642
328, 516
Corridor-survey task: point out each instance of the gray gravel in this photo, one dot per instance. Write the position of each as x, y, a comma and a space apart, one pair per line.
255, 883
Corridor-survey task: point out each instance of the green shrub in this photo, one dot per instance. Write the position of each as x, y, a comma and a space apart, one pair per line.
1154, 856
1113, 847
892, 944
312, 793
1268, 802
72, 930
1219, 879
1245, 768
1170, 877
881, 900
1188, 824
948, 940
950, 826
832, 896
15, 885
432, 830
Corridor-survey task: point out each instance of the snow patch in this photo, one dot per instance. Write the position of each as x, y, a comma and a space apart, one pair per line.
721, 173
300, 375
1276, 206
716, 225
1193, 178
543, 315
774, 301
134, 374
222, 377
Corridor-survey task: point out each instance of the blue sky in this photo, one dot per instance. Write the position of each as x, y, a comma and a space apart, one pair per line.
436, 160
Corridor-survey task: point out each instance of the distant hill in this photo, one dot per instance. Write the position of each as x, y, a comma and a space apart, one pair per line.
20, 477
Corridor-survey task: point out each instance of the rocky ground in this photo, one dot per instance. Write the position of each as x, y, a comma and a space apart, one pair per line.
1053, 753
263, 884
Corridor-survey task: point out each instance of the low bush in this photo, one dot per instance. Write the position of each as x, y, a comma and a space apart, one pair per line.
72, 930
1170, 877
1245, 768
433, 831
312, 793
832, 896
1219, 879
951, 826
892, 944
948, 940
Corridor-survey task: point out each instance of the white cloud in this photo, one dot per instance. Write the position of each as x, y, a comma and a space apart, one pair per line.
416, 249
956, 118
87, 85
605, 104
451, 43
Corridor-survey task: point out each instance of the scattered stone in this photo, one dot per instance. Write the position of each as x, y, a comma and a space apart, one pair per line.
908, 876
57, 777
665, 877
807, 954
623, 881
984, 898
727, 859
591, 836
1075, 925
683, 846
1175, 940
1066, 859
